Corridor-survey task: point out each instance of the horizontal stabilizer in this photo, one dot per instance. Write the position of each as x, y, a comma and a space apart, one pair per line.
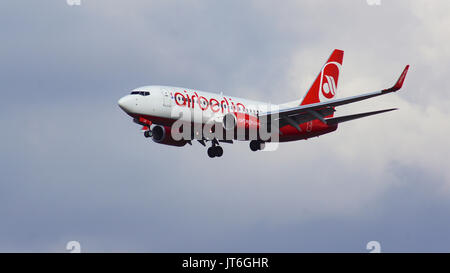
333, 121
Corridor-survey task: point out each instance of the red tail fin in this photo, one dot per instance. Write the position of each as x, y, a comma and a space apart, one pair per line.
325, 86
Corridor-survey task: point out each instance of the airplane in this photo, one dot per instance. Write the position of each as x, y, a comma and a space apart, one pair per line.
175, 116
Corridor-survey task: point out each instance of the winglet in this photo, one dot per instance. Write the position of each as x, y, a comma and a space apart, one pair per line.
399, 82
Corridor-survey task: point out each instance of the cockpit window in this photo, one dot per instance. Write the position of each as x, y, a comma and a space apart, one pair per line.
142, 93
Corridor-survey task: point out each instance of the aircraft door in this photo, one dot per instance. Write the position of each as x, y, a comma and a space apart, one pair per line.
167, 102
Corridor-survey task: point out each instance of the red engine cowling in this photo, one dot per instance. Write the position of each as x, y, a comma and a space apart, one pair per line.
232, 121
163, 135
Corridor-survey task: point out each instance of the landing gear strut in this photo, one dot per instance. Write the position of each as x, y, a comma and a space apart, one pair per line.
215, 150
256, 145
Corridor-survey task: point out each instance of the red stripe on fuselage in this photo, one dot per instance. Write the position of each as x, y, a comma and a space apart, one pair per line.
289, 133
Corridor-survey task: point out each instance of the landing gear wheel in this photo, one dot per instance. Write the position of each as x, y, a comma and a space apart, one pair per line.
215, 151
255, 145
219, 151
211, 152
148, 134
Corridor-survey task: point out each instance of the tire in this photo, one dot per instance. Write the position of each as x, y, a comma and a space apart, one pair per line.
148, 134
254, 145
219, 151
211, 152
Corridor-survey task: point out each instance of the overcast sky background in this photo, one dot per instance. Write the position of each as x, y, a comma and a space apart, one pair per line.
74, 167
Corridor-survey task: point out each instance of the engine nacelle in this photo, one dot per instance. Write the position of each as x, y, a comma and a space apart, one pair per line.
233, 121
163, 135
229, 122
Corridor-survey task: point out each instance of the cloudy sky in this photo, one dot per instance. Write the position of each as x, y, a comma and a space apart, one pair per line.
74, 167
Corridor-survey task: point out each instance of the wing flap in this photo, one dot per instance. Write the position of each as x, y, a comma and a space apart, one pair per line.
336, 120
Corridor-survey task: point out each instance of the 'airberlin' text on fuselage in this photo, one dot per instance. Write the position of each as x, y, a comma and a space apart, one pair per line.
186, 100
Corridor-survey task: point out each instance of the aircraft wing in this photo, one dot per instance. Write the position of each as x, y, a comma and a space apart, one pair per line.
308, 112
332, 121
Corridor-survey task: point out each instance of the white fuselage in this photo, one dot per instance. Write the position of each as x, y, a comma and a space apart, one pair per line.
165, 103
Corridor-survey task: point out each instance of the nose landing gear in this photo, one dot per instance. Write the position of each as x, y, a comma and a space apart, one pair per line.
148, 133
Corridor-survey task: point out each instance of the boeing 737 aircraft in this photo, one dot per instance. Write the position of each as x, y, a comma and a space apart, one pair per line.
176, 116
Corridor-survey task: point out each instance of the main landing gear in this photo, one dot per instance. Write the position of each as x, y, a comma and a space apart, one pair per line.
215, 150
256, 145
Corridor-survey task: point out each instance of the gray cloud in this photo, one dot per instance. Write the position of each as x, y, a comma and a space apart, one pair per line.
74, 167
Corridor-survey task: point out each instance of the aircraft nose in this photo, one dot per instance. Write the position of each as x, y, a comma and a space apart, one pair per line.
125, 103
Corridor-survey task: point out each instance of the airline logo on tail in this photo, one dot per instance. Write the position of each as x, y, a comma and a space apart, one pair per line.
328, 81
324, 87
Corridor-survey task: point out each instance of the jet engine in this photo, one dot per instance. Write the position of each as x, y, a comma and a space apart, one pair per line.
163, 135
232, 121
